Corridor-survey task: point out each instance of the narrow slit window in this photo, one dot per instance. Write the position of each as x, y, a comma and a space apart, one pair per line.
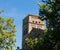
33, 21
36, 21
39, 22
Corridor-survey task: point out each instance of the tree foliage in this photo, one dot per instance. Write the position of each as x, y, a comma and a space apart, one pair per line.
7, 33
34, 44
50, 12
31, 43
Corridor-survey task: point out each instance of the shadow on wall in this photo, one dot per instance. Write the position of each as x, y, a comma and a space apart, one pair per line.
36, 33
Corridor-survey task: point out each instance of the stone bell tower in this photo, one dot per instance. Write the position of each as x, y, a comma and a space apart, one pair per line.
32, 27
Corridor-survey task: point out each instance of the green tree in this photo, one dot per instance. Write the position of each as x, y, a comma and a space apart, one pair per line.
30, 43
50, 12
7, 33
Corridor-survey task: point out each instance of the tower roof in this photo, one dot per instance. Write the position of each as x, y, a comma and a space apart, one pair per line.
31, 16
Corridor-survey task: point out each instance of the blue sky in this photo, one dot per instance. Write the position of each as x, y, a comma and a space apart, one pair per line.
18, 9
